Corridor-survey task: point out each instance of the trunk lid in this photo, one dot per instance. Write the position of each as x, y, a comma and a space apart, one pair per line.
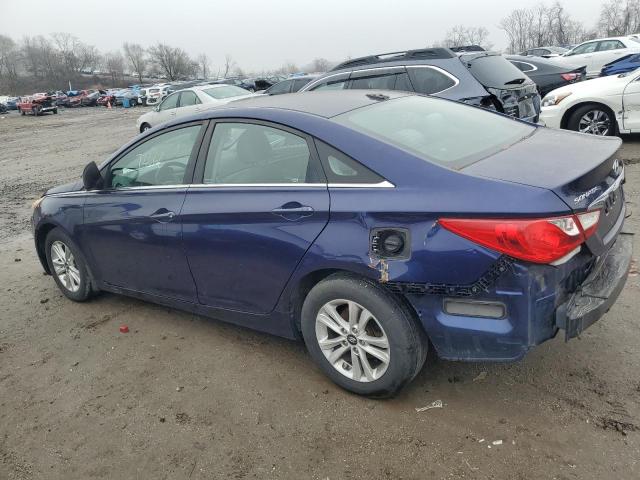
583, 170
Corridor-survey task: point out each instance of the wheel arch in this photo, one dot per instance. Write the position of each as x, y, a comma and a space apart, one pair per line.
569, 112
311, 279
40, 237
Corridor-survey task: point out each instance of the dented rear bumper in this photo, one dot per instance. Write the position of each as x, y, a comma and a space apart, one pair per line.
598, 292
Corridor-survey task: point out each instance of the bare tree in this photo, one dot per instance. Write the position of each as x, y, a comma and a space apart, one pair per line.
9, 62
461, 35
229, 63
619, 17
203, 65
114, 65
288, 68
320, 65
173, 61
137, 58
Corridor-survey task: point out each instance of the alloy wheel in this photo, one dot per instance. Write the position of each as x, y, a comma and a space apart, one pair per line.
64, 264
595, 122
352, 340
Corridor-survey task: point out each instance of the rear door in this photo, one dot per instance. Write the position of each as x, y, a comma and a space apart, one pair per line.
261, 202
607, 51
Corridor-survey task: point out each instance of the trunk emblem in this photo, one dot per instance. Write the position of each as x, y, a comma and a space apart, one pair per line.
585, 195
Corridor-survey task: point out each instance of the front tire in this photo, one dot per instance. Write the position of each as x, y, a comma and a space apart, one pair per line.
362, 336
144, 127
67, 266
593, 119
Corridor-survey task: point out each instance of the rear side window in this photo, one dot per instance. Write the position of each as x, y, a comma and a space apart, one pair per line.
494, 71
610, 45
440, 131
429, 80
340, 168
247, 153
523, 67
395, 81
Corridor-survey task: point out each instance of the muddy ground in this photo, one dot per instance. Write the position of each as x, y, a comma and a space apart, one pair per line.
184, 397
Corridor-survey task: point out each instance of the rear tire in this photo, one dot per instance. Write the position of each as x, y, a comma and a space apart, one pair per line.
594, 120
384, 352
22, 112
68, 266
55, 111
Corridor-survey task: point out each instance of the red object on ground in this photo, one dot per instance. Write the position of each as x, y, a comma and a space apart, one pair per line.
124, 329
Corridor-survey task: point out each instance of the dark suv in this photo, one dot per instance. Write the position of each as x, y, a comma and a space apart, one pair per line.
484, 79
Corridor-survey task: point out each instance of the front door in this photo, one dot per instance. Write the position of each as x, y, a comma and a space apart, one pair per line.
262, 202
132, 226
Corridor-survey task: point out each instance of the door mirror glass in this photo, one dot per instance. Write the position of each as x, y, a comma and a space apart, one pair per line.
91, 177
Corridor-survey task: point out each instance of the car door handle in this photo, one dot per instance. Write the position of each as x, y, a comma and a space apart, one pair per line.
293, 211
163, 215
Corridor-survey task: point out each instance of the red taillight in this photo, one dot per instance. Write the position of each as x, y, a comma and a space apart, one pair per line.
570, 77
542, 240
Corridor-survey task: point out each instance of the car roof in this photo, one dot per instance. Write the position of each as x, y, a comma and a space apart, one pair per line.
325, 104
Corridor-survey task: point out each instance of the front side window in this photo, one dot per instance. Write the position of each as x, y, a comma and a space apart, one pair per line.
440, 131
170, 102
299, 83
584, 48
278, 88
335, 85
428, 80
246, 153
161, 160
189, 98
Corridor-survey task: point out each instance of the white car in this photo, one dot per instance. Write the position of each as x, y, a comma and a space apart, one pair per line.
602, 106
594, 54
156, 94
189, 101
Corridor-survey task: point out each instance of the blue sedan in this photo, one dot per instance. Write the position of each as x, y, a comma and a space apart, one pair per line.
373, 225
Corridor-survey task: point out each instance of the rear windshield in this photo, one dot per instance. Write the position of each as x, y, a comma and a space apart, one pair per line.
494, 71
439, 131
225, 92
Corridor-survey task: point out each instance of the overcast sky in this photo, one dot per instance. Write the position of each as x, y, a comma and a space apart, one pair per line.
264, 34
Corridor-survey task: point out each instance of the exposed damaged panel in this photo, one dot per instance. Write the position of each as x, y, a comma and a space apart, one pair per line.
481, 285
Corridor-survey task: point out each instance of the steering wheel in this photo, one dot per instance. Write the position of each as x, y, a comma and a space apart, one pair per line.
168, 166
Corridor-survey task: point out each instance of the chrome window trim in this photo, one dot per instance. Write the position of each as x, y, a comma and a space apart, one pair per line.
384, 184
309, 86
456, 82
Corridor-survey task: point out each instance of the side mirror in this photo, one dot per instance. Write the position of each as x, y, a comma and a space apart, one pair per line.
91, 177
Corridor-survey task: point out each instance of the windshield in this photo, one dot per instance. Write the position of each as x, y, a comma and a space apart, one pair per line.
494, 71
225, 92
440, 131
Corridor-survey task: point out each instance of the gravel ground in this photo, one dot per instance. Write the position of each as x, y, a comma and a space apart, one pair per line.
184, 397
